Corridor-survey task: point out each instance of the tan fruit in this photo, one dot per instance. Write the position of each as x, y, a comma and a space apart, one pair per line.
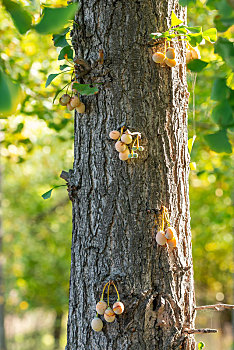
172, 242
64, 99
160, 238
97, 324
195, 53
188, 56
170, 63
81, 108
69, 107
158, 57
109, 315
170, 232
124, 155
75, 101
114, 135
118, 308
120, 146
101, 307
170, 53
126, 139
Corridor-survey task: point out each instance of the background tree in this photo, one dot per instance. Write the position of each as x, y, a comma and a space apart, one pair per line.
112, 231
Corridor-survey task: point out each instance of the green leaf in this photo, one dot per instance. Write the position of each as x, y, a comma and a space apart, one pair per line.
225, 49
67, 50
197, 65
222, 114
10, 95
219, 90
47, 194
210, 35
63, 66
194, 30
174, 20
60, 39
219, 142
54, 19
21, 18
201, 345
50, 78
85, 89
190, 143
195, 38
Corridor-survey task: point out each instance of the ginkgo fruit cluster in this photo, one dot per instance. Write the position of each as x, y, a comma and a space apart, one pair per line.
168, 57
127, 143
167, 233
103, 308
72, 102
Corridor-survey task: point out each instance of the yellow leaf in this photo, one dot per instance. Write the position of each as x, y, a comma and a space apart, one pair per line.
191, 142
193, 166
174, 20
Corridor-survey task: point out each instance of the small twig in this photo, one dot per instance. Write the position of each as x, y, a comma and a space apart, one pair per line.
64, 175
217, 307
200, 330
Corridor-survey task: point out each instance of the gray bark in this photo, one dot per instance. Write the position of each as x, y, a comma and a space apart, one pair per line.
112, 230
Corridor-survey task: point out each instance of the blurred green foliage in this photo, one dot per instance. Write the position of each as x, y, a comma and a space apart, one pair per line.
37, 145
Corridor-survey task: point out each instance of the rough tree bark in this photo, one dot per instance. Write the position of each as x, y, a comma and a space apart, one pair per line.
112, 230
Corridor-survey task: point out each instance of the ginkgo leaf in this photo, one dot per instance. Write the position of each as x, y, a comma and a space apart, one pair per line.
175, 21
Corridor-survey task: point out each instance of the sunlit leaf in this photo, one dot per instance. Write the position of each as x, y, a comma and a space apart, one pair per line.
85, 89
63, 66
54, 19
219, 142
194, 30
193, 166
210, 35
201, 345
191, 142
66, 53
197, 65
21, 18
174, 20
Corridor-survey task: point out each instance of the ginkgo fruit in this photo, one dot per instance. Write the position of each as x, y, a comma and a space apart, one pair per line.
160, 238
101, 307
158, 57
124, 155
97, 324
170, 53
169, 62
81, 108
126, 138
170, 232
118, 308
114, 135
120, 146
75, 101
64, 99
69, 107
109, 315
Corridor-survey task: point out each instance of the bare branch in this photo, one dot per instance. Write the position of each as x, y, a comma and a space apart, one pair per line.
200, 330
217, 307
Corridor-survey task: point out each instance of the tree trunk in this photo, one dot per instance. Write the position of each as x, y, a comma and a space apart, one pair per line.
112, 229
